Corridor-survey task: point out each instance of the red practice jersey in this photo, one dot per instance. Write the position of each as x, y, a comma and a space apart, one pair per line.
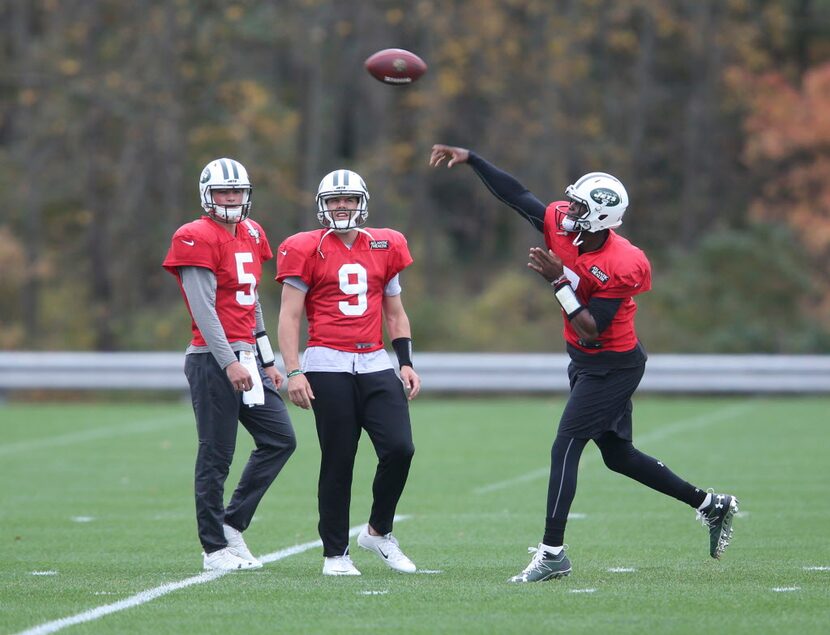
344, 303
617, 270
237, 264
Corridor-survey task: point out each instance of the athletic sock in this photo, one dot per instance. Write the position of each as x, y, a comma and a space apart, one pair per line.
706, 502
554, 551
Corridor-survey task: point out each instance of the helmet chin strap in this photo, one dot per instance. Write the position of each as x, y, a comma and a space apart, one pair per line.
230, 214
353, 216
570, 226
331, 230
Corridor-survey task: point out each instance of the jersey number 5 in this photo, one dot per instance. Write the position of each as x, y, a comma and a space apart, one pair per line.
358, 289
245, 277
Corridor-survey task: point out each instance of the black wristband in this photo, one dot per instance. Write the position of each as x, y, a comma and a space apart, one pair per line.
403, 349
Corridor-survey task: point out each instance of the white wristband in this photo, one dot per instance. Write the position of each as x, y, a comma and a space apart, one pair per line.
266, 353
568, 300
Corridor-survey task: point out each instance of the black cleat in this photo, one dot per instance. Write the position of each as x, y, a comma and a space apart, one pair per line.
717, 516
544, 566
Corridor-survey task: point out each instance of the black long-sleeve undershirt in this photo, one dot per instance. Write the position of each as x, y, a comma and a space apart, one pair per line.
509, 191
512, 193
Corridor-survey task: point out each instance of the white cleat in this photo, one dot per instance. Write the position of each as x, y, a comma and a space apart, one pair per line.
236, 543
227, 560
339, 565
387, 548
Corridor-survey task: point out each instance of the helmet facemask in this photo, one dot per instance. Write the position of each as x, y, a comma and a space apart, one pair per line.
227, 213
342, 183
357, 216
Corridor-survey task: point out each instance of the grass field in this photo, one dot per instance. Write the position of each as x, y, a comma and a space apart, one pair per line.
97, 508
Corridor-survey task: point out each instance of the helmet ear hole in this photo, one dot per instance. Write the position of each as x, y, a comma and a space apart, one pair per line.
603, 216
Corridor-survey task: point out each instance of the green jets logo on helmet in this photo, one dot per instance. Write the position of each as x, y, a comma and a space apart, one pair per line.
604, 196
205, 176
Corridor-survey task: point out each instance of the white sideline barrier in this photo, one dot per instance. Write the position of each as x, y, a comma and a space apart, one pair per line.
440, 372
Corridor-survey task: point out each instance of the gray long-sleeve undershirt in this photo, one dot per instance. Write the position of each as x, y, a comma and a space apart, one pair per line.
199, 286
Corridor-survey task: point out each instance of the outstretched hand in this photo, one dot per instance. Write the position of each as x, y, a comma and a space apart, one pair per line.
546, 263
454, 154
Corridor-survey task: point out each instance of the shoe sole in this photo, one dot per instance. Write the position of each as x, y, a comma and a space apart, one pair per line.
725, 536
553, 576
206, 568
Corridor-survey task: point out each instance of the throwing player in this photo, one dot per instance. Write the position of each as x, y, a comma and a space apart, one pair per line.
345, 279
594, 274
229, 364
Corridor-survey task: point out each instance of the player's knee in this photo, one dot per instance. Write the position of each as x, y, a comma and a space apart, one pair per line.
216, 455
620, 458
400, 452
281, 444
614, 461
290, 444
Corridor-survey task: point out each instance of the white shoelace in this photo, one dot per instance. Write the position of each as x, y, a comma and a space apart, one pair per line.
390, 546
703, 518
538, 556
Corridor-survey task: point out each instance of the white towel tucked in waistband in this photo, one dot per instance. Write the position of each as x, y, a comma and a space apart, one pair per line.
256, 395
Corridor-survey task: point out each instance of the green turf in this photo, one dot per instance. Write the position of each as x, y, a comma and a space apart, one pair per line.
476, 501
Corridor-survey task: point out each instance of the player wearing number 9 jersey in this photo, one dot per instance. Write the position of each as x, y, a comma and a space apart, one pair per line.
345, 284
217, 261
344, 277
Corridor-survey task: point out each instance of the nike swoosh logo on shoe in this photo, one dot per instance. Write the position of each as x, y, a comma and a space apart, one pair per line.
380, 551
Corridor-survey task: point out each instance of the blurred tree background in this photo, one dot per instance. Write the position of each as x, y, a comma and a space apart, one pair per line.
715, 113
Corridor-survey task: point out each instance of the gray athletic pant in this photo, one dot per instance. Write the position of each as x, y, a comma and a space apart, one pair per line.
219, 409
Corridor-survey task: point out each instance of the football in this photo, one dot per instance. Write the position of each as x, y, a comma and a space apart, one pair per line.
397, 67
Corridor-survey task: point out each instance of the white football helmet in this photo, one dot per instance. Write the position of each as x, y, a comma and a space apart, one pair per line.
225, 174
342, 183
604, 198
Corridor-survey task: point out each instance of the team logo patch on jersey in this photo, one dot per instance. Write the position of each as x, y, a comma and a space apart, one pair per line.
378, 244
599, 274
254, 233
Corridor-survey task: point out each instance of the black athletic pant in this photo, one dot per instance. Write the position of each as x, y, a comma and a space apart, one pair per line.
219, 409
344, 404
620, 456
599, 408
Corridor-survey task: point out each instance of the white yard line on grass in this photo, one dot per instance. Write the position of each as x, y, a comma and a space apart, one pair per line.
151, 594
114, 430
684, 425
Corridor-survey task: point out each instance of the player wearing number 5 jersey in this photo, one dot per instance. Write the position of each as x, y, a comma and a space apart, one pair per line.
345, 278
229, 364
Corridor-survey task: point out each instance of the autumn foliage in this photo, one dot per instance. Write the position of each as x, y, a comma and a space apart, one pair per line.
788, 149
